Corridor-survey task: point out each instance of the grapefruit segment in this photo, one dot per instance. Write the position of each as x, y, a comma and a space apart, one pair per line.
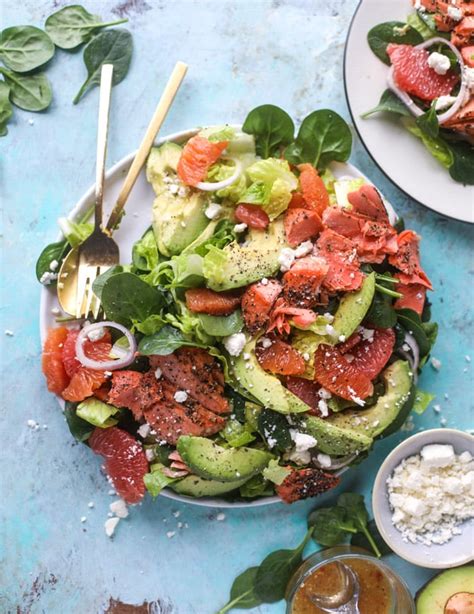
51, 361
280, 358
125, 461
335, 373
203, 300
313, 189
372, 354
198, 155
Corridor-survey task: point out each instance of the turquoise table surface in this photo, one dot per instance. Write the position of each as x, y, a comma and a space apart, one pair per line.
241, 53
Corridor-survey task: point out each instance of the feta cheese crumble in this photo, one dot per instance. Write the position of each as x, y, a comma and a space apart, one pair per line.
235, 343
213, 210
324, 460
436, 364
110, 525
144, 430
53, 265
286, 258
303, 249
439, 63
238, 228
220, 517
119, 508
301, 454
180, 396
431, 494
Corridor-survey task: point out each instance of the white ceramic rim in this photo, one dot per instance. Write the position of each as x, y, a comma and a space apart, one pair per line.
379, 485
121, 167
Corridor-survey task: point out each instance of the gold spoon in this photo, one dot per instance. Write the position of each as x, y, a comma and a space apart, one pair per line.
68, 277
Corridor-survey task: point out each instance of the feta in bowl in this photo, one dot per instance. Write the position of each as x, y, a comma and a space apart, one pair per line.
423, 499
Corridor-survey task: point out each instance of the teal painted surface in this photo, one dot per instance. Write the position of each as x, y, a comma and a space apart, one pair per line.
241, 54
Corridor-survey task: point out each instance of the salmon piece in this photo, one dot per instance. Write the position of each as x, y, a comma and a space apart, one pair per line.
197, 372
464, 115
198, 155
102, 393
463, 33
307, 391
257, 303
203, 300
301, 225
302, 283
429, 5
414, 296
297, 201
127, 392
468, 55
341, 255
313, 189
283, 312
367, 201
252, 215
304, 483
407, 260
343, 221
335, 373
280, 358
170, 419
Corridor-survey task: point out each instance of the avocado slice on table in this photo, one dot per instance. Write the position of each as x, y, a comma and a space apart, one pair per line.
451, 590
238, 265
373, 421
350, 313
208, 460
196, 486
177, 220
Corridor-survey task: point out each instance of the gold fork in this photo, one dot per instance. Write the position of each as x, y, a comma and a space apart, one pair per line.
99, 251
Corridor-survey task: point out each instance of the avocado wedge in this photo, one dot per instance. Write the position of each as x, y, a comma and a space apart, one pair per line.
451, 590
208, 460
373, 421
196, 486
332, 439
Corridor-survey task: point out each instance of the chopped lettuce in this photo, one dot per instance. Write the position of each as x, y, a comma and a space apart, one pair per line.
223, 170
214, 264
427, 31
217, 134
156, 480
145, 252
97, 412
437, 147
343, 187
75, 233
150, 325
237, 434
422, 401
276, 473
278, 182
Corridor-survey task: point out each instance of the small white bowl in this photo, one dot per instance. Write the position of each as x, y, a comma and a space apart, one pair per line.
459, 549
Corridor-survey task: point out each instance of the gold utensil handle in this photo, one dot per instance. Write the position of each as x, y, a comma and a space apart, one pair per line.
157, 120
102, 131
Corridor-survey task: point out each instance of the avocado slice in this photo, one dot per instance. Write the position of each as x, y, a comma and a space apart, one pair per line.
195, 486
451, 590
162, 160
262, 386
350, 313
373, 421
208, 460
237, 265
332, 439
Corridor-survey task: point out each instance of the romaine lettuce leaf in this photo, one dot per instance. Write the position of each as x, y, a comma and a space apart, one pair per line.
217, 134
145, 252
75, 233
275, 182
156, 480
275, 472
97, 412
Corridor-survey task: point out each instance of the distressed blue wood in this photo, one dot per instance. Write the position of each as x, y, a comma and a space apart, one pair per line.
241, 53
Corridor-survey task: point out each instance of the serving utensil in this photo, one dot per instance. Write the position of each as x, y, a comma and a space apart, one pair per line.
346, 599
68, 286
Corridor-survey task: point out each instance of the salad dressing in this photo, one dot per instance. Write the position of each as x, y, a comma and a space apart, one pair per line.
375, 589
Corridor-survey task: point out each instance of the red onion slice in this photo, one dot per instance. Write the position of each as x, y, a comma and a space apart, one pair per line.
209, 186
107, 365
407, 100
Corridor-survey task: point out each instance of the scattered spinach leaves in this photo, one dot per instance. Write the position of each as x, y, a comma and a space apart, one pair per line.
330, 525
29, 92
109, 47
381, 313
322, 138
222, 326
73, 25
272, 128
257, 486
53, 251
242, 593
24, 48
6, 109
390, 103
356, 511
360, 539
125, 297
381, 35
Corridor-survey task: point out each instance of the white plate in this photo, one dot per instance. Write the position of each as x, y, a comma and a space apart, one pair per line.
458, 550
133, 225
401, 156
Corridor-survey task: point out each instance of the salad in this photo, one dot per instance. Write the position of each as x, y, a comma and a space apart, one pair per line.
268, 329
430, 83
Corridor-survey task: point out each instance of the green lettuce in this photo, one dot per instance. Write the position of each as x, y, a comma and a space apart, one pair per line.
422, 401
276, 473
74, 232
279, 183
437, 147
145, 252
156, 480
217, 134
223, 170
237, 434
150, 325
97, 412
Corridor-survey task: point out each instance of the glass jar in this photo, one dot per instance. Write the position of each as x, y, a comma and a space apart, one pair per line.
396, 596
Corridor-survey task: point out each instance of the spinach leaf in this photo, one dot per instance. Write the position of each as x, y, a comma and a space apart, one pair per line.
437, 146
390, 103
150, 325
425, 333
330, 525
24, 48
242, 593
359, 539
125, 297
397, 32
428, 122
322, 138
257, 486
354, 506
275, 571
29, 92
272, 128
381, 313
109, 47
100, 281
6, 109
462, 167
79, 428
73, 25
222, 326
53, 251
274, 429
165, 342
